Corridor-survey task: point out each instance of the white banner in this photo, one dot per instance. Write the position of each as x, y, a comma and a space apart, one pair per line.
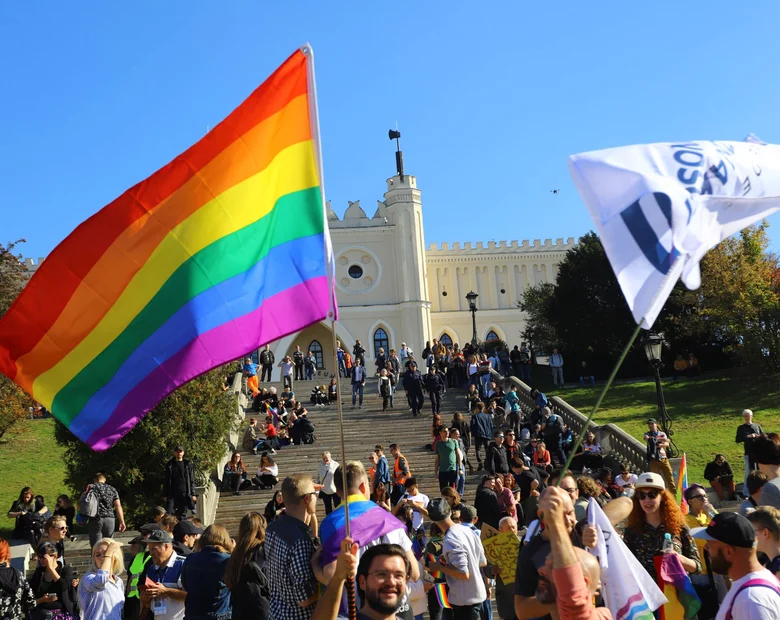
628, 590
658, 208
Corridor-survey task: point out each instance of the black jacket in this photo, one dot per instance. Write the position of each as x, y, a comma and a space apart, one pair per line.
488, 511
413, 381
251, 596
189, 478
497, 459
433, 382
267, 357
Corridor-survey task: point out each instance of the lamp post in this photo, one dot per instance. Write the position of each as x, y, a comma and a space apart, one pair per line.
653, 345
471, 296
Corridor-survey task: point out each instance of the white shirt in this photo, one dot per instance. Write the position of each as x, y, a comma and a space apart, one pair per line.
325, 475
287, 368
754, 603
463, 551
632, 478
422, 500
268, 469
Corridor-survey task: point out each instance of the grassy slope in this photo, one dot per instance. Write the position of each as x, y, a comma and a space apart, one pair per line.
29, 456
705, 413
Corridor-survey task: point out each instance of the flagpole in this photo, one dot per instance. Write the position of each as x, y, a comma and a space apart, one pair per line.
672, 273
350, 585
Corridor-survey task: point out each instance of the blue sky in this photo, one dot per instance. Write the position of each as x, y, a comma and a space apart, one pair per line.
491, 97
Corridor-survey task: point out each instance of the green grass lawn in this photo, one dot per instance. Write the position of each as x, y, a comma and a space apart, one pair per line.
29, 456
705, 413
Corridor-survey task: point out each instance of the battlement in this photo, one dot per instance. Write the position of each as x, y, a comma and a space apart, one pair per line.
30, 263
502, 246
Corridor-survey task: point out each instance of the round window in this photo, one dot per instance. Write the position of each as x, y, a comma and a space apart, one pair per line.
355, 271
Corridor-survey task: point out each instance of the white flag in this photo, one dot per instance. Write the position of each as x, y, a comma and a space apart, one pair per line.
658, 208
628, 590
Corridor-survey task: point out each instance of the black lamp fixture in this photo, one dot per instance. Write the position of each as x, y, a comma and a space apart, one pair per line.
471, 296
653, 345
394, 134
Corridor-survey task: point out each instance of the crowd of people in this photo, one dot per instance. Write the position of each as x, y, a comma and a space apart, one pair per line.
413, 550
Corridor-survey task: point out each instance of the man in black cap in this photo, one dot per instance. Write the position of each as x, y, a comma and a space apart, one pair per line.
731, 543
179, 484
141, 558
497, 461
657, 443
413, 383
159, 583
185, 534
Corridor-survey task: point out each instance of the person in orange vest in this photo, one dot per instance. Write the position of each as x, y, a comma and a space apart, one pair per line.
348, 363
400, 473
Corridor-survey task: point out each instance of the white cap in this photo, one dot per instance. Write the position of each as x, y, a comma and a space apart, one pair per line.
649, 480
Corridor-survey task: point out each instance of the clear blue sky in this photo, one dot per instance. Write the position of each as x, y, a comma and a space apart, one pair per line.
491, 97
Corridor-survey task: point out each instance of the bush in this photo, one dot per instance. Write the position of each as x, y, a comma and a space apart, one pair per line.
199, 416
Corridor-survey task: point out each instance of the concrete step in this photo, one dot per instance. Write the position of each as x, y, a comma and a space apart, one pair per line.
363, 429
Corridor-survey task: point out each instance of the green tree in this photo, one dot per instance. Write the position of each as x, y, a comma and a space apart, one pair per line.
199, 415
14, 402
537, 304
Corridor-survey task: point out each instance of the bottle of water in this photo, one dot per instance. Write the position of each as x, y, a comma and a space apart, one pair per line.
668, 544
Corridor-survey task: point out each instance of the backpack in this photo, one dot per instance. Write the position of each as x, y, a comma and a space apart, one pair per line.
88, 503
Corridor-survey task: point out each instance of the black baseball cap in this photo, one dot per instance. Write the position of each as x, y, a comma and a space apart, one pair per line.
729, 528
439, 509
184, 528
652, 421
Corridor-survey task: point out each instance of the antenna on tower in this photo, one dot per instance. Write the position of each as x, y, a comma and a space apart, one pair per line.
394, 134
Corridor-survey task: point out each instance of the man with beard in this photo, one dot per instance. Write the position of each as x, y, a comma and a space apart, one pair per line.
731, 543
382, 575
570, 577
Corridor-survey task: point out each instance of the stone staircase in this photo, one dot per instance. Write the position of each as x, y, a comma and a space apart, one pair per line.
363, 429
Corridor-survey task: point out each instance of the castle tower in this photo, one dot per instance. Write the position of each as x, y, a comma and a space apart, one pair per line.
404, 210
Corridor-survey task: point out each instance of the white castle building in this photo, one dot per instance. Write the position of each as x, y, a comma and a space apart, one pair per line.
391, 289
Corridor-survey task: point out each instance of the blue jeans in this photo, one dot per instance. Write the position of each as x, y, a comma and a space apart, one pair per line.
525, 372
342, 369
357, 388
485, 381
460, 485
309, 373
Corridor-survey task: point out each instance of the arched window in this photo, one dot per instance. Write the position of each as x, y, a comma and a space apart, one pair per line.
446, 340
492, 336
381, 340
316, 348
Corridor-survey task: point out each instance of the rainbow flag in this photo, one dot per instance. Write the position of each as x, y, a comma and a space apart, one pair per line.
683, 602
441, 595
436, 574
222, 250
682, 484
367, 522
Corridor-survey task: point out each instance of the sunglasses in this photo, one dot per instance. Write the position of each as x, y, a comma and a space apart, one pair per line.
701, 497
642, 495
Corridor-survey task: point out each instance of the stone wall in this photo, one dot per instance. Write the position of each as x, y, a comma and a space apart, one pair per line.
208, 494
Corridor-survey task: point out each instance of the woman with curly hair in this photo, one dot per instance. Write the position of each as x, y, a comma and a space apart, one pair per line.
654, 514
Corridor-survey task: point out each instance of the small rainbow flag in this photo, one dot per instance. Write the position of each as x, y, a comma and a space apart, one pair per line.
436, 574
220, 251
682, 484
441, 595
683, 602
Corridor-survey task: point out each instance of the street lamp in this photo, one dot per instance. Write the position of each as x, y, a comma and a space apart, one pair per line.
653, 345
471, 296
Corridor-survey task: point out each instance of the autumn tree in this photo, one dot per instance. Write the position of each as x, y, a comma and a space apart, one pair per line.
14, 402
